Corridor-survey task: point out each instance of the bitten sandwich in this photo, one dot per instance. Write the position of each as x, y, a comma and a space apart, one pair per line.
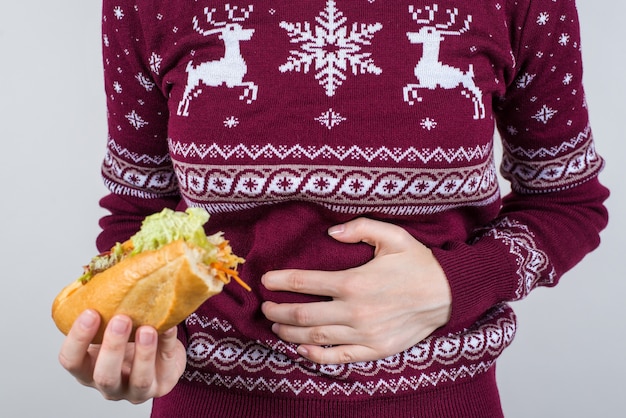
158, 277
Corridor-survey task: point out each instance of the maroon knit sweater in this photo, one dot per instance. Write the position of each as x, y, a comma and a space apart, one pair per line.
283, 118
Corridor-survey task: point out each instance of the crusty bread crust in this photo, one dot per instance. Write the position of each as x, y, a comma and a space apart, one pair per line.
158, 288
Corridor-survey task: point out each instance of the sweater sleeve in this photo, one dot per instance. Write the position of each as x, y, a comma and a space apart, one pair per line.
554, 214
137, 169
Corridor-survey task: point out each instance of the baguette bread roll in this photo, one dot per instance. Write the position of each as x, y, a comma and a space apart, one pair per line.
158, 288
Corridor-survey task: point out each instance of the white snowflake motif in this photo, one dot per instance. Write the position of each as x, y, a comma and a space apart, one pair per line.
118, 12
330, 119
543, 18
524, 80
330, 49
564, 39
155, 62
512, 130
105, 40
117, 87
231, 122
569, 77
428, 124
145, 82
545, 114
135, 120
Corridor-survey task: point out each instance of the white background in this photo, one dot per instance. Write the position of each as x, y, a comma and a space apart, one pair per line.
569, 357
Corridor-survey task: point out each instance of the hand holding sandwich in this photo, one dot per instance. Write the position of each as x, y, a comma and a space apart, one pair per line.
148, 368
120, 316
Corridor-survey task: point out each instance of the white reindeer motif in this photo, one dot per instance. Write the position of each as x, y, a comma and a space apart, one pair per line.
431, 72
228, 70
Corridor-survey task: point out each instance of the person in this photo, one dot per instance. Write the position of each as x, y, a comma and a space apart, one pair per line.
346, 150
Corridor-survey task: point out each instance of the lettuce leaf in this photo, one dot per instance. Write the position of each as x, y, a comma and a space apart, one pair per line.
158, 230
168, 226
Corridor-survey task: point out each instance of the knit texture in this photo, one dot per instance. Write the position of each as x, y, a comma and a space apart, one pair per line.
284, 118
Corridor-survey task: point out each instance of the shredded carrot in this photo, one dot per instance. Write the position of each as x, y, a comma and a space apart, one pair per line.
230, 273
242, 283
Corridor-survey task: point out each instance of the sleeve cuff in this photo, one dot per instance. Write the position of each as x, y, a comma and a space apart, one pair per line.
480, 275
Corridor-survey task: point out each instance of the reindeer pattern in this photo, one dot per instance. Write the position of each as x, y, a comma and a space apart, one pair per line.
230, 69
430, 72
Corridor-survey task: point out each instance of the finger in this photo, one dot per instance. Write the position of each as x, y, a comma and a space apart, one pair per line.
74, 355
378, 234
318, 336
170, 361
169, 353
306, 314
340, 354
108, 369
313, 282
142, 378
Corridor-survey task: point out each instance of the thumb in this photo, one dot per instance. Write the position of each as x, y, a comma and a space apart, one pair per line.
384, 236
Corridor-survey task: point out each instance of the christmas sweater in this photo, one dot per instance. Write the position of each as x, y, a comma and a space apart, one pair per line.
283, 118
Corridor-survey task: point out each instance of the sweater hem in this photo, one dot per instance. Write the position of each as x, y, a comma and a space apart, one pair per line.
475, 397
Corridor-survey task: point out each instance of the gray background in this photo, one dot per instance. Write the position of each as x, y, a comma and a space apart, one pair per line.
568, 359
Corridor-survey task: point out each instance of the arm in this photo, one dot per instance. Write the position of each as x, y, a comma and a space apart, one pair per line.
555, 213
138, 172
137, 168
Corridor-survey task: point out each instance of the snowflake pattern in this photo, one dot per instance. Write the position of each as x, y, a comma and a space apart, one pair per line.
135, 120
543, 18
117, 87
564, 39
428, 124
145, 82
331, 47
155, 63
524, 80
569, 77
118, 12
545, 114
231, 122
330, 118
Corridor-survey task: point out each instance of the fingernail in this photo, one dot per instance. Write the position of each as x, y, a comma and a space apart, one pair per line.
87, 319
302, 351
146, 336
119, 326
337, 229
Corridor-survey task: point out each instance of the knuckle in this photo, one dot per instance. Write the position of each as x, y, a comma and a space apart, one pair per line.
106, 384
346, 356
318, 336
296, 281
301, 315
142, 385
